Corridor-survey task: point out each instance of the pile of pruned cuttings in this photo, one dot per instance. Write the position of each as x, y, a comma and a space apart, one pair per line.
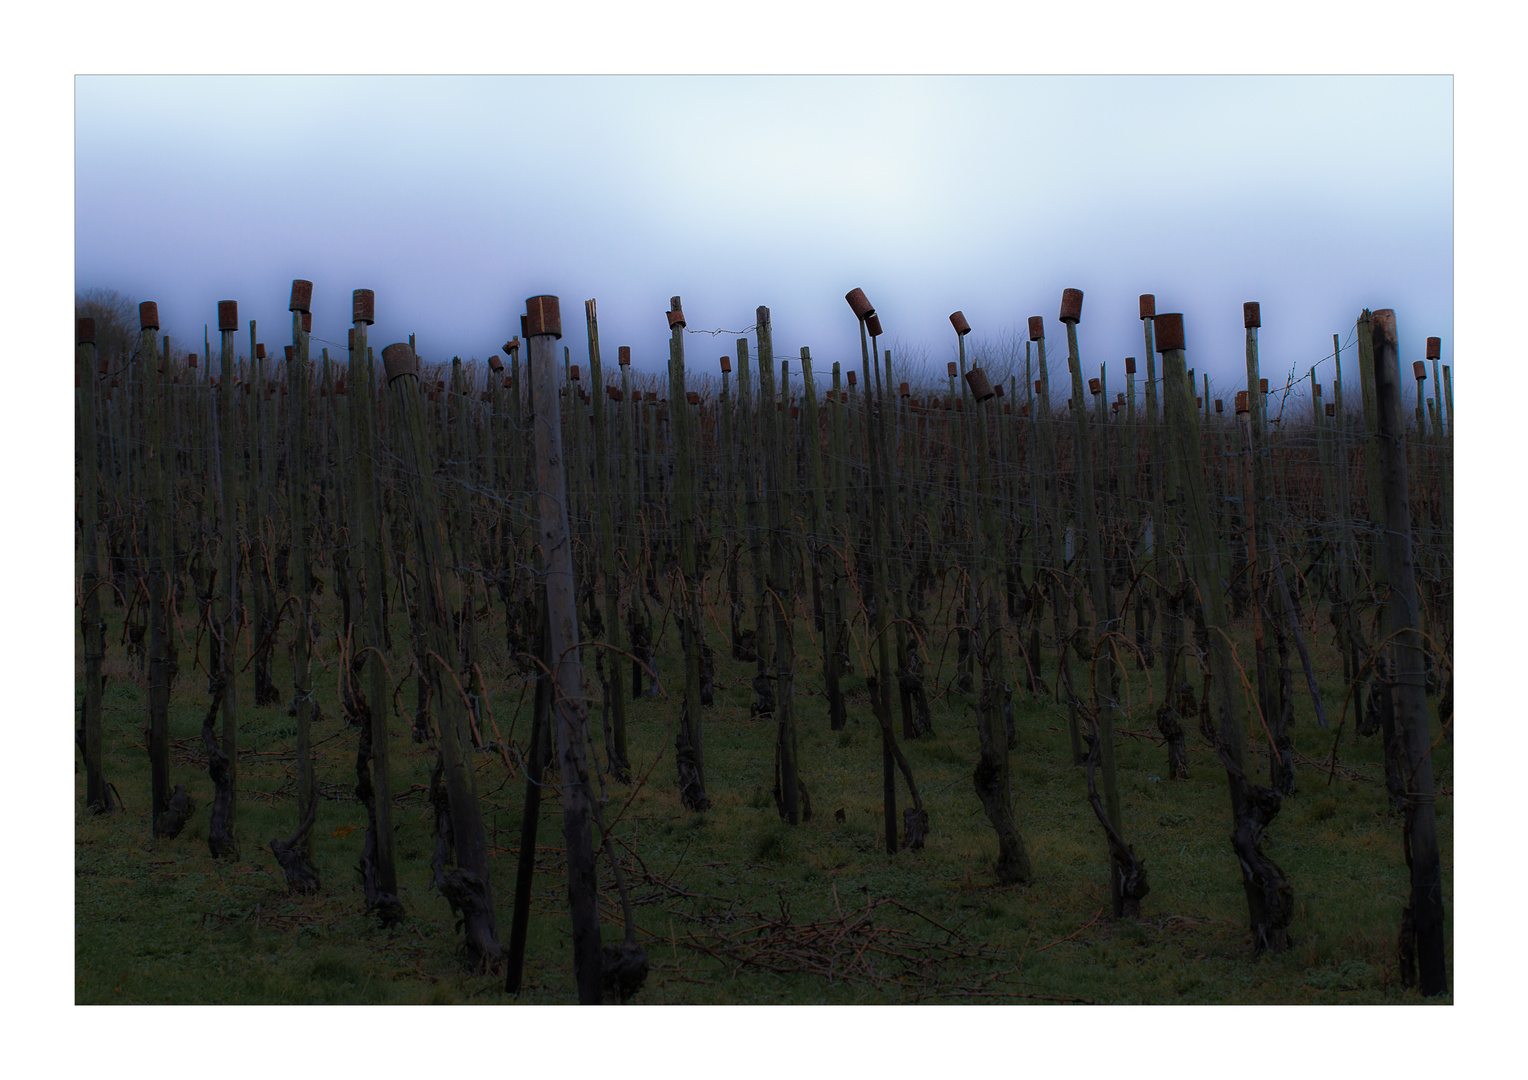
855, 947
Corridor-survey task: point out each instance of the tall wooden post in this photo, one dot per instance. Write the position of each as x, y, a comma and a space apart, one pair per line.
1408, 676
98, 796
570, 709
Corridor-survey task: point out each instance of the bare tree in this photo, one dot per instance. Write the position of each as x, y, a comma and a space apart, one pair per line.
116, 323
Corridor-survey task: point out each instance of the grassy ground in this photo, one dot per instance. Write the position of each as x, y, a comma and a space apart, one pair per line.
732, 905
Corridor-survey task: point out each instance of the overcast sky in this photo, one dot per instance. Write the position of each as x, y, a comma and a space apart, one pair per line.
455, 198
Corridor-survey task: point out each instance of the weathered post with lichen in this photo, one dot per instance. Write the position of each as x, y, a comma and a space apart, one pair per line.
1422, 920
300, 575
1270, 900
222, 834
570, 709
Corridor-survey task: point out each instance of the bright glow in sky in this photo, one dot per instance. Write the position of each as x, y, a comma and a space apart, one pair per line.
455, 198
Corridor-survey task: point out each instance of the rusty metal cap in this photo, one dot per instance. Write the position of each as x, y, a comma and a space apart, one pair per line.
1315, 389
290, 350
951, 368
999, 389
494, 363
1095, 387
1419, 369
399, 360
1434, 348
513, 344
1071, 305
1331, 408
543, 316
960, 404
675, 318
1129, 365
1169, 331
1252, 316
1241, 402
1037, 386
191, 359
363, 306
873, 324
1383, 323
148, 315
613, 393
623, 355
1036, 327
860, 303
958, 321
851, 378
103, 365
302, 295
726, 364
84, 331
904, 390
795, 412
509, 384
692, 396
981, 386
1220, 406
1262, 386
573, 372
260, 350
228, 315
307, 322
1148, 306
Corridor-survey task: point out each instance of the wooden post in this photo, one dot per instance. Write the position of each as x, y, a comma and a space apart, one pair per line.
1410, 703
469, 887
160, 553
300, 577
98, 795
570, 709
228, 563
1269, 897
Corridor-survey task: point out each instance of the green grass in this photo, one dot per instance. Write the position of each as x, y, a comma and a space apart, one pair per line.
161, 921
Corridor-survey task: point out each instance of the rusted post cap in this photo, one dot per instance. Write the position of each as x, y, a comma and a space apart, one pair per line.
509, 347
1262, 386
1169, 330
1129, 365
1419, 369
399, 360
1037, 386
859, 303
307, 322
1148, 306
495, 364
726, 364
1094, 387
1071, 305
623, 356
1119, 399
960, 404
573, 372
1220, 406
1023, 410
363, 306
692, 396
1434, 348
795, 412
951, 368
852, 379
302, 295
958, 321
1331, 408
84, 331
1252, 315
543, 316
873, 324
228, 315
1315, 389
260, 350
1199, 403
904, 390
1383, 323
843, 395
509, 384
675, 319
290, 350
148, 315
981, 386
103, 365
1241, 402
1037, 328
999, 389
613, 393
191, 359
